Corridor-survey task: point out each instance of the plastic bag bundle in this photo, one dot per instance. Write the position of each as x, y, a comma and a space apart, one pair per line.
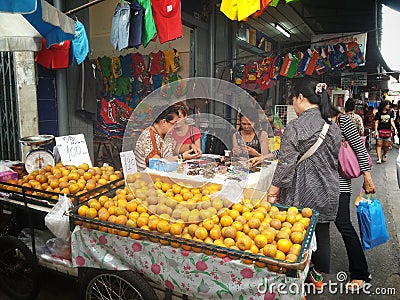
57, 221
371, 220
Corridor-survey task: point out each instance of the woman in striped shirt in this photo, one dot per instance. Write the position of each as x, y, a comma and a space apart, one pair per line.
358, 266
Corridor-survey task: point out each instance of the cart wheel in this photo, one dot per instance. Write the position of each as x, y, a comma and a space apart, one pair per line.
110, 285
19, 271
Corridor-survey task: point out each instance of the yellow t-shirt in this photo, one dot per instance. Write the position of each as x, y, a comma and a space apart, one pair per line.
239, 9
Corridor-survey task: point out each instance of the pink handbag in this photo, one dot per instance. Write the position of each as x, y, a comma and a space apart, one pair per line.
348, 163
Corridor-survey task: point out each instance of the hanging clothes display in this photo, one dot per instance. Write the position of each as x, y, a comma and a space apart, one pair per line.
56, 57
120, 26
167, 17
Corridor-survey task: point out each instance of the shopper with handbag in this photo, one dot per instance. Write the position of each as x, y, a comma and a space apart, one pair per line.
358, 266
383, 130
307, 171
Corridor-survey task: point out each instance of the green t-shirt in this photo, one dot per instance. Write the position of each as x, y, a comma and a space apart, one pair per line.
149, 27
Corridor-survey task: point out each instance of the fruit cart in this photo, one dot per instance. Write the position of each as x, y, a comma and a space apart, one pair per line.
26, 203
117, 253
122, 261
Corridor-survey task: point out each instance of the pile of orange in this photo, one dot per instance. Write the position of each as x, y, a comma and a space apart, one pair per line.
253, 226
67, 180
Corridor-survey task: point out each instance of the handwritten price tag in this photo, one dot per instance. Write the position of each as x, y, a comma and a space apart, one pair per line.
128, 162
73, 150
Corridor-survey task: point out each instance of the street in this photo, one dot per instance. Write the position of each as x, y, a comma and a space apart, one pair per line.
383, 261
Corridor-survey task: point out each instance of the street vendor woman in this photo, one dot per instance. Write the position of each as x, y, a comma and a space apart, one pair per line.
250, 140
152, 142
186, 135
314, 182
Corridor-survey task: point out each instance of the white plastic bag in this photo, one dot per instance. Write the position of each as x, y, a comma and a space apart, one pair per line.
57, 221
396, 139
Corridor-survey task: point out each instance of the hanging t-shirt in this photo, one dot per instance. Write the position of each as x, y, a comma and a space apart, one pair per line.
120, 26
167, 17
156, 63
135, 28
56, 57
80, 44
239, 9
149, 28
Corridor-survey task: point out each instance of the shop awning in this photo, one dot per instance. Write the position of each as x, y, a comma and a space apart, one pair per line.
23, 31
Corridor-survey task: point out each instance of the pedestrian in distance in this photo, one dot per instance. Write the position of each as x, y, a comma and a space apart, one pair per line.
313, 182
383, 130
356, 118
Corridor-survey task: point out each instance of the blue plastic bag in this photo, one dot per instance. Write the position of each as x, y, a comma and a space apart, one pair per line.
372, 224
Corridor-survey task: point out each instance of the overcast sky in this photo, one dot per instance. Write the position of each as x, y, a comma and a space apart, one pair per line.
390, 39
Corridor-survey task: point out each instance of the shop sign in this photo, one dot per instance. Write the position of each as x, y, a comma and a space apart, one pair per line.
354, 79
331, 39
128, 162
73, 150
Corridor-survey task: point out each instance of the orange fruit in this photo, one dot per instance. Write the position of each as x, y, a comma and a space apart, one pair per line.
306, 212
133, 215
295, 249
280, 255
244, 242
260, 240
237, 225
305, 221
229, 242
163, 226
269, 235
176, 229
270, 250
253, 232
275, 223
208, 224
152, 223
238, 207
229, 232
247, 215
95, 204
254, 222
201, 233
91, 212
226, 221
121, 220
298, 226
291, 257
142, 221
297, 237
82, 210
292, 210
103, 215
234, 214
215, 233
284, 245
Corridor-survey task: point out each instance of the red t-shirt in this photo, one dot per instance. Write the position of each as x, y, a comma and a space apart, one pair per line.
167, 17
185, 139
56, 57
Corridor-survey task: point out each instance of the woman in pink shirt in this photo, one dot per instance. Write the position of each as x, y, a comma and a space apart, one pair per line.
186, 136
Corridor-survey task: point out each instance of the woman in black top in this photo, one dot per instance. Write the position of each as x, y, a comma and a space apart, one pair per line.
250, 140
383, 121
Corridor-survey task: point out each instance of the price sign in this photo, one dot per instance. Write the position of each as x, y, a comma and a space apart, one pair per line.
128, 162
73, 150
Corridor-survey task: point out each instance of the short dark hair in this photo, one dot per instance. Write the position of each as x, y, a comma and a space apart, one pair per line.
349, 105
164, 113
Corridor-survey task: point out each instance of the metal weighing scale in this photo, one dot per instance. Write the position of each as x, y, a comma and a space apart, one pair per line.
38, 157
